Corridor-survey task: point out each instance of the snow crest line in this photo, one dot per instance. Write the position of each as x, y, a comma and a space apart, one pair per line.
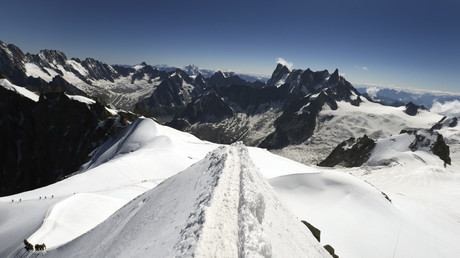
228, 217
252, 240
213, 221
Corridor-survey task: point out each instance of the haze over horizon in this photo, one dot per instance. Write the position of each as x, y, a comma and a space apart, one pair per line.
410, 44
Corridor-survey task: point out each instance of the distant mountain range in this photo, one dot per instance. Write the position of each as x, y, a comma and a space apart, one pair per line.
193, 70
300, 114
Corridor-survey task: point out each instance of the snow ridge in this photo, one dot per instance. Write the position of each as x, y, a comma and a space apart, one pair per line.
251, 214
20, 90
219, 207
201, 222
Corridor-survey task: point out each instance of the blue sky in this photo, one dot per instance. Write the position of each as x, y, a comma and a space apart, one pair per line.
401, 43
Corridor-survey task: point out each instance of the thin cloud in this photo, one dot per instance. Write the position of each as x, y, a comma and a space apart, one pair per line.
448, 108
372, 92
365, 68
283, 61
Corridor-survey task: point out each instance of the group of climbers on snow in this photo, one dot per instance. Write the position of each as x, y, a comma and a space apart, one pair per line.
29, 247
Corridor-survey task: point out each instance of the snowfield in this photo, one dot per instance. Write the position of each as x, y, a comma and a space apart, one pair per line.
156, 192
219, 207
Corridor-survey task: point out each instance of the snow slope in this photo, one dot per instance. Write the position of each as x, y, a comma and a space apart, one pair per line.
221, 206
129, 173
353, 216
421, 221
358, 221
20, 90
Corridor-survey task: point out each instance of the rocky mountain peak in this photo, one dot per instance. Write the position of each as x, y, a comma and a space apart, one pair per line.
52, 56
279, 75
334, 79
192, 69
412, 109
98, 70
219, 79
350, 153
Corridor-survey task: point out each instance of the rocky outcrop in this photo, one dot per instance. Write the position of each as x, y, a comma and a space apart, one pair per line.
59, 84
331, 251
168, 100
98, 70
350, 153
356, 152
298, 121
149, 72
445, 122
441, 149
431, 141
207, 109
316, 232
219, 79
412, 109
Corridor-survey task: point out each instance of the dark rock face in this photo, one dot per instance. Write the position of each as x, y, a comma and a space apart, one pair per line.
298, 121
208, 109
148, 71
98, 70
58, 84
445, 122
11, 63
454, 122
280, 73
48, 139
249, 99
439, 124
331, 251
412, 109
350, 153
219, 79
123, 70
200, 84
165, 102
441, 149
316, 232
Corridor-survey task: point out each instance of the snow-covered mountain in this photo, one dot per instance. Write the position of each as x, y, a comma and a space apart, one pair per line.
373, 119
120, 85
273, 116
123, 204
294, 113
366, 151
220, 206
299, 114
193, 71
